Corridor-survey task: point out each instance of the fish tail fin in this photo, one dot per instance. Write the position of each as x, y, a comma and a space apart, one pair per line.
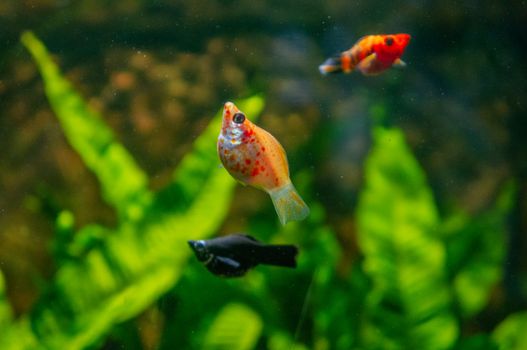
331, 65
288, 204
279, 255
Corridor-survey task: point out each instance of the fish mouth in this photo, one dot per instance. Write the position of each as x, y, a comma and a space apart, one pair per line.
231, 107
192, 244
405, 39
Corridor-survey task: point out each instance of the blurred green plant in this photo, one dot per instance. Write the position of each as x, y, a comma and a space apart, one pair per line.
413, 258
5, 308
109, 275
408, 306
510, 334
236, 327
476, 249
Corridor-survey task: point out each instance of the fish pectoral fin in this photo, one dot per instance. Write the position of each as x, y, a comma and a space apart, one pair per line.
365, 65
399, 63
368, 59
228, 261
252, 238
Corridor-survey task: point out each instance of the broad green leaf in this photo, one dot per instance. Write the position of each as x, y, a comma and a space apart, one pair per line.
408, 306
126, 270
335, 301
236, 327
123, 184
19, 335
110, 275
477, 342
281, 341
476, 250
5, 308
13, 335
511, 333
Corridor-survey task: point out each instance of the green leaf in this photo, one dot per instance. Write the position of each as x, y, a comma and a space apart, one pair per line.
477, 342
236, 327
342, 300
409, 304
19, 336
476, 249
109, 276
6, 314
280, 341
13, 335
510, 334
130, 268
124, 184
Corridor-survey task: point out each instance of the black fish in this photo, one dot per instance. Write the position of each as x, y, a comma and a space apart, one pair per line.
234, 255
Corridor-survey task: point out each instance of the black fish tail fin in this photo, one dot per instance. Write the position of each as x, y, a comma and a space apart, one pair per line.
331, 65
279, 255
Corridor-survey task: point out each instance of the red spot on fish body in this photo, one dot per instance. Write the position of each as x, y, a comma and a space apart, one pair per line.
247, 161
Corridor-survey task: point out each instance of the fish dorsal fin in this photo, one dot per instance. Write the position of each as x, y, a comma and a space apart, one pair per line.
251, 238
362, 38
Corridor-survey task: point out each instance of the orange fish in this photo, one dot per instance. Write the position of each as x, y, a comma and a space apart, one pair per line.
372, 54
254, 157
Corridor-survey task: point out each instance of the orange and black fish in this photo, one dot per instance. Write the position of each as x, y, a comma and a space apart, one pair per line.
254, 157
372, 54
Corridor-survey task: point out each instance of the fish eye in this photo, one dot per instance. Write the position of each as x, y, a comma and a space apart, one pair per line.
200, 245
239, 118
388, 41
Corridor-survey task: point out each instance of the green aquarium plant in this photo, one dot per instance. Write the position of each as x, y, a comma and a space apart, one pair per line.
115, 273
425, 273
408, 306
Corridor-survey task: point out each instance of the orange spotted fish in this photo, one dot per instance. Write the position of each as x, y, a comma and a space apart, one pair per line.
254, 157
372, 54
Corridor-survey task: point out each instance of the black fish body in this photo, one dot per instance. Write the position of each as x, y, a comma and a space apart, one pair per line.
234, 255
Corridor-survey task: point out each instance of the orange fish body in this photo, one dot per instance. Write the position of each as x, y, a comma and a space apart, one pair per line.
254, 157
372, 54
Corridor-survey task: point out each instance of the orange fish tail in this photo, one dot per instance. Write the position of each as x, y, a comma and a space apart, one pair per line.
288, 204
